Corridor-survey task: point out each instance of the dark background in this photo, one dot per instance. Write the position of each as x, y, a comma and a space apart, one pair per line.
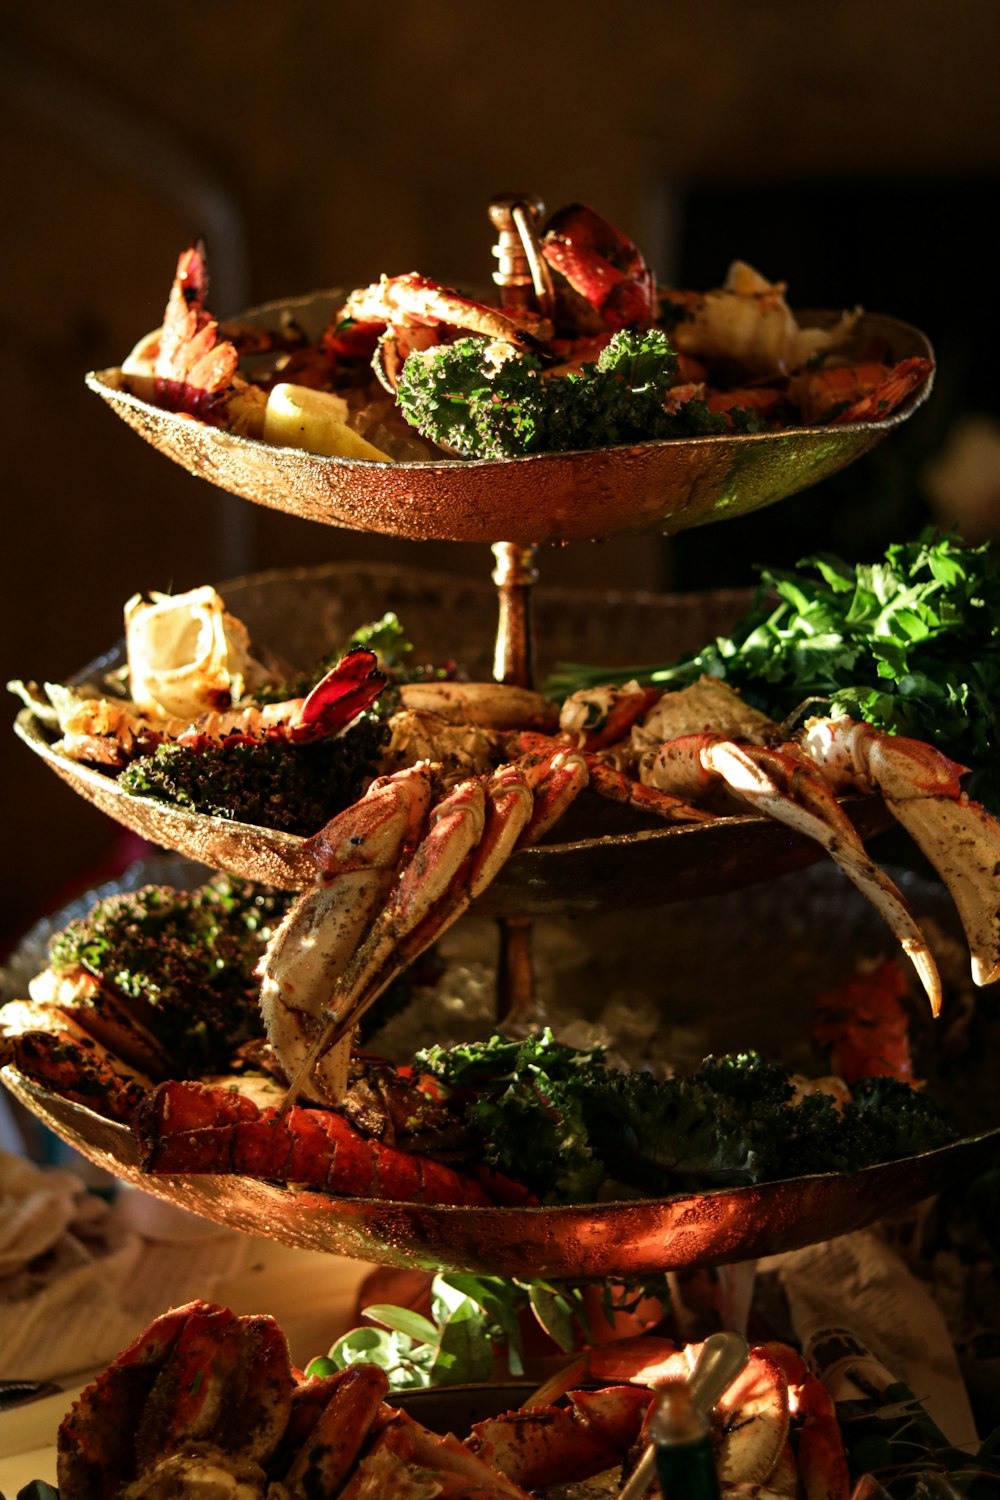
851, 150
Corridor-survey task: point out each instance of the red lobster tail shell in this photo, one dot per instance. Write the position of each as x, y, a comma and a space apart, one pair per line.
184, 1127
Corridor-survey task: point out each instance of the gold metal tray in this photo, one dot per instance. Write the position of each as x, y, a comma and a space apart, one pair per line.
632, 1239
549, 497
593, 864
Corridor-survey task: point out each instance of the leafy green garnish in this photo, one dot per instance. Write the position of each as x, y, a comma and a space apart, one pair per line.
573, 1129
910, 643
476, 1322
292, 788
483, 405
186, 957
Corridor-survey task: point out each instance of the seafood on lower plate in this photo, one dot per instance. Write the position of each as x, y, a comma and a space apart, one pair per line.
147, 1015
411, 369
204, 1401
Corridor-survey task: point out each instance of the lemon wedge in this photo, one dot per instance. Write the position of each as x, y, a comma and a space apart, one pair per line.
299, 417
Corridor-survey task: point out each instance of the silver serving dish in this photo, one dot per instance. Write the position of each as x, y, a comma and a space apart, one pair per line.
548, 497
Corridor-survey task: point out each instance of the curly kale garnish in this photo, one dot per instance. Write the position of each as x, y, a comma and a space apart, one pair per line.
524, 1099
572, 1128
187, 957
292, 788
485, 400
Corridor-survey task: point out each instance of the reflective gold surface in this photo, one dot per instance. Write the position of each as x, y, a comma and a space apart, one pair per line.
549, 497
589, 1240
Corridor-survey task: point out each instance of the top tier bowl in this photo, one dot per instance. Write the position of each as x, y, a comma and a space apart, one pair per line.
662, 486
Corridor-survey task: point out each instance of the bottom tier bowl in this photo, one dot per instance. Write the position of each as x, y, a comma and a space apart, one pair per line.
630, 1240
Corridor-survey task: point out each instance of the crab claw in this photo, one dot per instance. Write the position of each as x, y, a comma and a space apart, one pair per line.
357, 855
921, 788
602, 266
787, 787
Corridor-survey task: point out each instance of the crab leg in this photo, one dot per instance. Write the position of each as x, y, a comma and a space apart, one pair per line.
603, 778
326, 1459
921, 788
790, 789
357, 855
472, 833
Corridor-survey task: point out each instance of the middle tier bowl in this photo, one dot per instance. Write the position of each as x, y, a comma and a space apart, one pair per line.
598, 862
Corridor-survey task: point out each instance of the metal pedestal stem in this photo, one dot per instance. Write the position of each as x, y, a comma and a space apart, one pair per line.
515, 575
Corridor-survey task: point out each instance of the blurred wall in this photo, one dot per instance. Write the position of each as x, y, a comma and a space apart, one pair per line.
318, 144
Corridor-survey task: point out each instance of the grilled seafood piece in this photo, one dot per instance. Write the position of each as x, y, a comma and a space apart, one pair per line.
603, 281
189, 1127
747, 324
753, 1422
416, 314
204, 1402
185, 365
114, 731
394, 872
187, 655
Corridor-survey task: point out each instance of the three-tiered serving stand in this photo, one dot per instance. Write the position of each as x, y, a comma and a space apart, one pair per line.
532, 501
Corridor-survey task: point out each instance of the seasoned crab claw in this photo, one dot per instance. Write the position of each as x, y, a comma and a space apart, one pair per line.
331, 1447
819, 1447
539, 1446
921, 788
784, 785
470, 834
198, 1375
404, 1452
357, 855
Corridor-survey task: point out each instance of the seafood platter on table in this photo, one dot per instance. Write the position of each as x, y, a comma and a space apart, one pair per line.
223, 1044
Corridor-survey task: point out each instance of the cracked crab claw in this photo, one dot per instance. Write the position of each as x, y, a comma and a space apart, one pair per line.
785, 785
393, 877
921, 788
